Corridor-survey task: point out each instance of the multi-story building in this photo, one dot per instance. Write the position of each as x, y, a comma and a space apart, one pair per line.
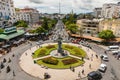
97, 12
29, 15
113, 25
7, 12
88, 26
110, 11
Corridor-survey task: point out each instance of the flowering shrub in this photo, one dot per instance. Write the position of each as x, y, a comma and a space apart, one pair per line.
50, 46
42, 52
50, 60
69, 61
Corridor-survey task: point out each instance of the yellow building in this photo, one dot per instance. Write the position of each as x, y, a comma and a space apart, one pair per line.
110, 24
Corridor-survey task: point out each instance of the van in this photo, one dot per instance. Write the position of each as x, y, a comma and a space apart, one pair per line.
113, 47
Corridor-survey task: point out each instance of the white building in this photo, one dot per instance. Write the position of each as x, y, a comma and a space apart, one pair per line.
110, 11
88, 26
7, 11
29, 15
97, 12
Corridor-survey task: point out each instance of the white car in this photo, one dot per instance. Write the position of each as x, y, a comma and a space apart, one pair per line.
39, 42
102, 67
115, 52
104, 57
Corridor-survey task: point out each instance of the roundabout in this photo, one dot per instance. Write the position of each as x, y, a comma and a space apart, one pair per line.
37, 67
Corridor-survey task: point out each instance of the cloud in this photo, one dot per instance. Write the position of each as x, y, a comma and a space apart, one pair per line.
36, 1
78, 6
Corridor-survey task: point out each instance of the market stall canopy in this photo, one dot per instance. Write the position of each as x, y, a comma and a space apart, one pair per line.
12, 35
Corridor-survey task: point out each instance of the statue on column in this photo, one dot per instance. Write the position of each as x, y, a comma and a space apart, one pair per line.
60, 46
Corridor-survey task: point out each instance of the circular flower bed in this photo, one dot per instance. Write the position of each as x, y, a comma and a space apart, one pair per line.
60, 63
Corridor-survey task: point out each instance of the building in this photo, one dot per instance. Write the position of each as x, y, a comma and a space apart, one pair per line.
27, 14
113, 24
97, 12
110, 11
10, 33
7, 12
88, 26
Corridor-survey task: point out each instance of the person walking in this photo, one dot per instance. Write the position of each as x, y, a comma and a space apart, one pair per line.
79, 75
13, 73
90, 66
96, 56
26, 54
83, 71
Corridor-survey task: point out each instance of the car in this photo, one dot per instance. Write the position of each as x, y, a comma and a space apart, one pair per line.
104, 57
94, 75
39, 42
102, 67
115, 52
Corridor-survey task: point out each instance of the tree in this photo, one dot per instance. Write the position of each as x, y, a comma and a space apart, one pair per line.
45, 24
106, 34
21, 23
70, 18
51, 23
40, 30
73, 28
1, 30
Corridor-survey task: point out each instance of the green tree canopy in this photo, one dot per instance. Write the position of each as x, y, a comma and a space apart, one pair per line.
1, 30
40, 30
21, 23
72, 28
106, 34
70, 18
45, 24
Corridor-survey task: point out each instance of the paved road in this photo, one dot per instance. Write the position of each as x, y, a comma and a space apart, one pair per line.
113, 66
14, 65
60, 30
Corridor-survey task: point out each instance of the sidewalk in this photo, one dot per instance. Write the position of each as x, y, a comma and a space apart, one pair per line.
27, 64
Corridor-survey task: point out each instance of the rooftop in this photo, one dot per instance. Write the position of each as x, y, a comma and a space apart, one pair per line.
10, 36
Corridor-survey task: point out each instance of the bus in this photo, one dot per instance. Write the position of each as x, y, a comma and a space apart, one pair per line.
113, 47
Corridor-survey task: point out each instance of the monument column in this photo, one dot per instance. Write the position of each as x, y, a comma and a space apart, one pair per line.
59, 44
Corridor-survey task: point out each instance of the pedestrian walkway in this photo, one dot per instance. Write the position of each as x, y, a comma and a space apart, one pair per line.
27, 64
42, 57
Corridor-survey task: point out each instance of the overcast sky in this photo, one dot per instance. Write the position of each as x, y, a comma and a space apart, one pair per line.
52, 6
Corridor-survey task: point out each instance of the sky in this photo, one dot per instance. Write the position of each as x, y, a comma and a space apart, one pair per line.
52, 6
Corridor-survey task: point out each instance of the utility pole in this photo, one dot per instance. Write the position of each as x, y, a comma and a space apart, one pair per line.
59, 7
59, 10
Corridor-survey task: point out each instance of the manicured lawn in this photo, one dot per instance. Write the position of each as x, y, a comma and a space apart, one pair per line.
60, 64
47, 49
74, 50
44, 51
